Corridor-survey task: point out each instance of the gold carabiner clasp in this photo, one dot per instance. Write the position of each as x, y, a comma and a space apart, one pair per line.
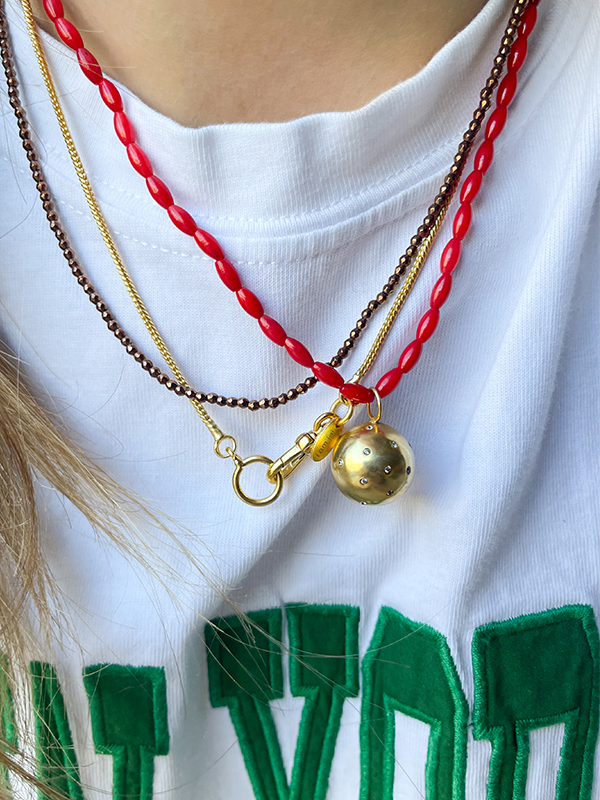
291, 459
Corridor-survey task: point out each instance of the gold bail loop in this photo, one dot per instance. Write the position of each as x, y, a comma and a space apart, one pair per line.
374, 418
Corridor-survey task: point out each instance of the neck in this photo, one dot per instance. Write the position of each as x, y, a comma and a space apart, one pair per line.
205, 62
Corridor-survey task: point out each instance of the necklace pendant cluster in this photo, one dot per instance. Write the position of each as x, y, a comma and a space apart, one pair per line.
371, 463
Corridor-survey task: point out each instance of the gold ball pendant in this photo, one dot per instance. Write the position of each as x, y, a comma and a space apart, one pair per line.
372, 464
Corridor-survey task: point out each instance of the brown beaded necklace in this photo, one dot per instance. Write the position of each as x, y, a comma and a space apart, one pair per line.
329, 426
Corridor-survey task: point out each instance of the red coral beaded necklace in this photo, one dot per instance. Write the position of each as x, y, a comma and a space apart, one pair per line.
371, 463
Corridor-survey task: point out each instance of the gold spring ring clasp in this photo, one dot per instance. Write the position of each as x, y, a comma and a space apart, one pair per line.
240, 465
229, 451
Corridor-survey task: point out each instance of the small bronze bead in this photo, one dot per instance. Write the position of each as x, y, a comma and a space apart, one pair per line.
336, 362
343, 352
47, 206
348, 343
107, 316
27, 145
171, 384
273, 402
366, 313
63, 243
387, 290
411, 251
373, 306
78, 273
283, 398
355, 333
470, 135
393, 281
404, 260
82, 280
36, 172
201, 397
221, 401
44, 196
126, 341
119, 333
31, 158
154, 372
253, 405
131, 349
231, 402
310, 382
179, 390
163, 379
101, 306
292, 394
301, 388
455, 171
139, 356
423, 230
67, 252
88, 288
381, 298
211, 397
416, 240
243, 402
113, 325
429, 222
361, 324
42, 187
189, 393
52, 217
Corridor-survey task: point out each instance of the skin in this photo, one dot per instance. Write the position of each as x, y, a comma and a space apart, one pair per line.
205, 62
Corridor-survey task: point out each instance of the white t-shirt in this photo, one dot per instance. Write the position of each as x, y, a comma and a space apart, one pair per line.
460, 619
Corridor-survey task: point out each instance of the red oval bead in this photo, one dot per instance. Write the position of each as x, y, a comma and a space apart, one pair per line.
357, 393
159, 191
298, 352
471, 186
110, 94
410, 356
528, 20
54, 9
273, 330
450, 256
517, 54
495, 123
484, 155
208, 244
440, 291
139, 160
68, 33
462, 221
124, 128
327, 375
228, 274
428, 324
388, 382
89, 66
182, 220
507, 89
249, 302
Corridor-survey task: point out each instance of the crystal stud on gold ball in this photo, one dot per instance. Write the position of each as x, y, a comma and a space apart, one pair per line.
372, 464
